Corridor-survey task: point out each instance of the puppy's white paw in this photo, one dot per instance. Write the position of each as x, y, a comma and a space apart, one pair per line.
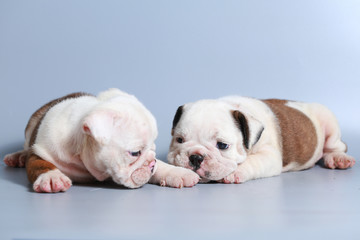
16, 159
338, 160
51, 182
179, 177
235, 177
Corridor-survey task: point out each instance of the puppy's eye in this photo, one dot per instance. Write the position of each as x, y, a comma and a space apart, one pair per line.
222, 146
135, 154
180, 140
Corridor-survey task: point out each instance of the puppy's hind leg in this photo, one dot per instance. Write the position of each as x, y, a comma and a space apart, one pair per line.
16, 159
334, 151
45, 176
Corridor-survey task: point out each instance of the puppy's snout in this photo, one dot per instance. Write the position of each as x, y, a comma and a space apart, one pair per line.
196, 160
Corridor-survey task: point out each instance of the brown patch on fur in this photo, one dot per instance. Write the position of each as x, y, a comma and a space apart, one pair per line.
36, 166
38, 116
297, 132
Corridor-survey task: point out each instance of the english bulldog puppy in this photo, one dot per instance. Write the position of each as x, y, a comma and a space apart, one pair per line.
236, 139
83, 138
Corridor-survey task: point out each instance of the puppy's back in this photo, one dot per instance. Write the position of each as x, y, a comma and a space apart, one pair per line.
37, 117
297, 131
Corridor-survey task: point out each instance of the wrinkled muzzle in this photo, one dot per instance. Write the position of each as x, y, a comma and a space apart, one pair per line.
210, 165
135, 178
142, 175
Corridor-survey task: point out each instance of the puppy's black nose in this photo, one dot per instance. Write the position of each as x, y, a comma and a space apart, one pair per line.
196, 160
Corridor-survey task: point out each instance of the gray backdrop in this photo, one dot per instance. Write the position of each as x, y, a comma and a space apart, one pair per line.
168, 53
171, 52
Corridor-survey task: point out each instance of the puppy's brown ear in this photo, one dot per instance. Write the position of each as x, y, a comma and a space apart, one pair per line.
251, 129
177, 117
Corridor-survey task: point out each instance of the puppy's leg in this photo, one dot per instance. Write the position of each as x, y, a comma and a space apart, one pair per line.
334, 152
45, 176
171, 176
259, 165
16, 159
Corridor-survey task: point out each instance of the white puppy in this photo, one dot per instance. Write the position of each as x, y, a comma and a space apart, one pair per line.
236, 139
83, 138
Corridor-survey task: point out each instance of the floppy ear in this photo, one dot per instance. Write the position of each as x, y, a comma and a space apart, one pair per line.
100, 125
177, 117
251, 129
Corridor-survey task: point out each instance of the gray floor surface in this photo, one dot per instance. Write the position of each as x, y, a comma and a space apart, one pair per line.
314, 204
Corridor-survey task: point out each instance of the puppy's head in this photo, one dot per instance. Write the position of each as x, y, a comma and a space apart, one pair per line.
119, 142
212, 138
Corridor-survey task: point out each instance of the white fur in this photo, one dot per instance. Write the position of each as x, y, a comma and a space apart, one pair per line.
178, 177
114, 128
206, 122
92, 138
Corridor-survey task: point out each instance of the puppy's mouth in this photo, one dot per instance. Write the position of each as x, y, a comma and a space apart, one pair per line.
204, 175
209, 175
195, 169
201, 172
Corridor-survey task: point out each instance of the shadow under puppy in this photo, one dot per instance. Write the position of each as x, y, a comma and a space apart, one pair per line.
84, 138
236, 139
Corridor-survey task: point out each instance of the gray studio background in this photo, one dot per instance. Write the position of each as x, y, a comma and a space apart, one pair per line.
171, 52
168, 53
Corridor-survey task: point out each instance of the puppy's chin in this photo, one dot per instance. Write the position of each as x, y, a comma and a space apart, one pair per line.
214, 173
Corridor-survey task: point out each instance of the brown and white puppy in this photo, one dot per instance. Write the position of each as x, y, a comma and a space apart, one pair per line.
236, 139
84, 138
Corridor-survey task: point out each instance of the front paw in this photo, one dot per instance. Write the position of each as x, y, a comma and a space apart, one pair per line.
51, 182
179, 177
235, 177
